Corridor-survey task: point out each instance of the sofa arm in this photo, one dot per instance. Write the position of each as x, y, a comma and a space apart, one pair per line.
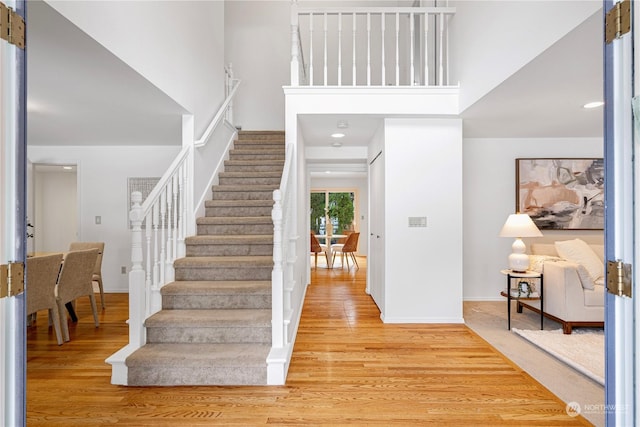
563, 292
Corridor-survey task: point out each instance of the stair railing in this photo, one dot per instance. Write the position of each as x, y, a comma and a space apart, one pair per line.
371, 46
160, 224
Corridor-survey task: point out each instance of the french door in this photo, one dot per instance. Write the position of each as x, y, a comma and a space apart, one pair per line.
622, 214
12, 223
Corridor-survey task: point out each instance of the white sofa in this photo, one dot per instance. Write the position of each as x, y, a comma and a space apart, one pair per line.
568, 298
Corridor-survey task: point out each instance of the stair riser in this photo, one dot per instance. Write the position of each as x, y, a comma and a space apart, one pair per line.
223, 273
211, 335
229, 250
249, 181
220, 194
232, 229
237, 211
253, 168
261, 137
212, 302
176, 375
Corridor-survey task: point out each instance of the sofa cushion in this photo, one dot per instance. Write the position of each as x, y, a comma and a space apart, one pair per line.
594, 297
536, 262
578, 251
585, 277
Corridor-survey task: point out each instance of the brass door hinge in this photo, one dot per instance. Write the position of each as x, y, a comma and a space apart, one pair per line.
12, 26
619, 278
11, 279
617, 21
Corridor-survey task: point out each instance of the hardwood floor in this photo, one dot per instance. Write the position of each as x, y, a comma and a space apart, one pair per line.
347, 368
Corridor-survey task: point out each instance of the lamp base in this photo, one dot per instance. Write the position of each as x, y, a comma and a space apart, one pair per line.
519, 262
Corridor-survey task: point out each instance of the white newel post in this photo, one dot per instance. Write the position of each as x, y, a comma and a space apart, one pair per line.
277, 279
295, 47
137, 292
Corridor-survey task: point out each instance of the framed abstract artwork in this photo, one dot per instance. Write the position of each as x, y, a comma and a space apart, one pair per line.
561, 194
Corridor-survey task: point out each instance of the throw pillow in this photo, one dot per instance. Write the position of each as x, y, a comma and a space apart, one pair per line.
579, 252
536, 262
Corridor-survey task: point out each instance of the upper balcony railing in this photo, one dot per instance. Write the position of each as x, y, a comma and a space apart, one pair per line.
380, 46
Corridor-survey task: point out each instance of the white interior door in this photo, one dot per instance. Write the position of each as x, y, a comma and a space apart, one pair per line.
375, 266
12, 226
621, 333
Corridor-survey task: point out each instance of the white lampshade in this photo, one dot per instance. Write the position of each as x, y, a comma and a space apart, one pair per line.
518, 226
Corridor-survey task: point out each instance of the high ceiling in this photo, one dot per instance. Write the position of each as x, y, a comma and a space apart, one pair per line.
76, 93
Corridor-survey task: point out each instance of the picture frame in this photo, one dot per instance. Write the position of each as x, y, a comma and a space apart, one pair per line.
561, 193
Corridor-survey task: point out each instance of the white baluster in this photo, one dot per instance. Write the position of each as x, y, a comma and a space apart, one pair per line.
163, 230
412, 35
230, 84
136, 275
183, 212
325, 49
355, 30
426, 49
176, 194
340, 49
295, 46
368, 49
156, 239
382, 26
148, 226
440, 61
311, 49
446, 58
277, 281
397, 49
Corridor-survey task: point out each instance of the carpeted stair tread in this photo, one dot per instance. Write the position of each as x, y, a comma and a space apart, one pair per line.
241, 188
265, 174
222, 287
234, 220
247, 262
239, 203
273, 162
239, 318
230, 240
204, 355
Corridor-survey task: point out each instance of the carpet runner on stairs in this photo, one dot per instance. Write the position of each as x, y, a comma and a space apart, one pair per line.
215, 324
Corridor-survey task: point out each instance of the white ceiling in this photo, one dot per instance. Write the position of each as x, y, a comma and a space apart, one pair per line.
76, 93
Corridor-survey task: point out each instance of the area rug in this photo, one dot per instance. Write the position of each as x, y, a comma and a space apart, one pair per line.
583, 349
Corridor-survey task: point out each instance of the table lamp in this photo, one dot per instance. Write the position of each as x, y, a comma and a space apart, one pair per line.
519, 226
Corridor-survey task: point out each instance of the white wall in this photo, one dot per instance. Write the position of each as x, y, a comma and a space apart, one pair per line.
362, 202
257, 43
423, 178
177, 45
490, 40
489, 197
56, 210
102, 191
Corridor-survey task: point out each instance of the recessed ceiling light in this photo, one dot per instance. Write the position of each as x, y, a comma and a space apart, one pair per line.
337, 135
337, 144
327, 171
594, 104
343, 124
67, 168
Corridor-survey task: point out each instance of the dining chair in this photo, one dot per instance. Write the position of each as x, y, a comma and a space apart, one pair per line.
317, 247
76, 281
349, 249
97, 271
42, 276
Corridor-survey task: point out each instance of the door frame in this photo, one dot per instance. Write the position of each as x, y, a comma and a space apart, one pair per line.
13, 236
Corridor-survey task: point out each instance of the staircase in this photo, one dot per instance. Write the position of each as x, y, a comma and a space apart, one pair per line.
215, 324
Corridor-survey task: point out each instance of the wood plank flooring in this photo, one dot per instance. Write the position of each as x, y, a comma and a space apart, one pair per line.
347, 368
